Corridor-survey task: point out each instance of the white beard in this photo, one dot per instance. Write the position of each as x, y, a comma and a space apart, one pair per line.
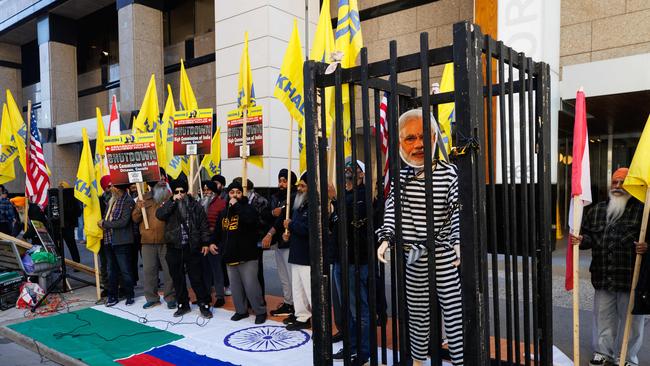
616, 206
299, 200
160, 193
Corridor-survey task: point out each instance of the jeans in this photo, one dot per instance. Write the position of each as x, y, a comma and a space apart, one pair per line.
364, 353
119, 266
213, 274
610, 309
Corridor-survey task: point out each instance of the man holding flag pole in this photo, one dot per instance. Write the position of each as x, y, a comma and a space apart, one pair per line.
609, 229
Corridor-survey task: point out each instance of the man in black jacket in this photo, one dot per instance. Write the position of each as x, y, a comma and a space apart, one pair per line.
236, 234
273, 239
188, 237
298, 237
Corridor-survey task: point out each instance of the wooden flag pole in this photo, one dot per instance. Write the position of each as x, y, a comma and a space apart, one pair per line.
191, 177
27, 148
97, 286
289, 182
577, 220
144, 212
244, 152
635, 278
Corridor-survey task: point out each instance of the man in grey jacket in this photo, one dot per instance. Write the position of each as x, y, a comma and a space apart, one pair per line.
118, 243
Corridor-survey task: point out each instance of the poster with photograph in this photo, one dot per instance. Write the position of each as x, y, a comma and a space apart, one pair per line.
254, 132
132, 158
193, 132
44, 236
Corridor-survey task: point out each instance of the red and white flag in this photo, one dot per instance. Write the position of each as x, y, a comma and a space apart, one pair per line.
38, 180
383, 134
114, 121
580, 176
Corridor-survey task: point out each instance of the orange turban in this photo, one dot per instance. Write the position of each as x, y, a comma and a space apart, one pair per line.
620, 174
18, 201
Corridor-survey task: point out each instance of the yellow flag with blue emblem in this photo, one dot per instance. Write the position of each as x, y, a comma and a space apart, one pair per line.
246, 91
446, 111
85, 190
173, 165
348, 40
147, 119
638, 177
8, 152
100, 150
188, 100
212, 161
289, 85
321, 49
18, 128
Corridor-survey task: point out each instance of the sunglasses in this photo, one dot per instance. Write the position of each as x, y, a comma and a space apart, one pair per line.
180, 191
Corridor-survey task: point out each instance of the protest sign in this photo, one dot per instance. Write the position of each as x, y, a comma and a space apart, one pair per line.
254, 132
132, 158
193, 132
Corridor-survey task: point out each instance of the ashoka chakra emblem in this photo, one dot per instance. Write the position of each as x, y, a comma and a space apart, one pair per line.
266, 338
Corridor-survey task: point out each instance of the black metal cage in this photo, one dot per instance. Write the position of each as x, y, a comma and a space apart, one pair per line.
505, 216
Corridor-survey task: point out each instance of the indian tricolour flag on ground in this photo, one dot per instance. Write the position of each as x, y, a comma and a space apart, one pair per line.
580, 177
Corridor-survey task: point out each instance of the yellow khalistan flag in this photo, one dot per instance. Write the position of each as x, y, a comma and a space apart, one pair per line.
638, 177
246, 91
289, 88
8, 152
147, 119
349, 41
173, 165
85, 190
100, 151
446, 111
188, 100
18, 128
212, 161
322, 48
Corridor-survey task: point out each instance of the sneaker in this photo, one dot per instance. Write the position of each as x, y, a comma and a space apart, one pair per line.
298, 325
260, 319
227, 291
172, 304
283, 310
338, 337
237, 317
340, 355
290, 319
205, 311
150, 304
111, 301
182, 310
129, 301
354, 360
600, 360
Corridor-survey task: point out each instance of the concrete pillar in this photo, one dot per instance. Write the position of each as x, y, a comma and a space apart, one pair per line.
59, 95
141, 52
269, 24
10, 77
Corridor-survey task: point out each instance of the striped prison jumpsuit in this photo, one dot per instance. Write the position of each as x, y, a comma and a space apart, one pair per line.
414, 234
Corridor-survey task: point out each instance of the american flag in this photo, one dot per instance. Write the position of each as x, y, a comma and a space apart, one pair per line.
38, 181
383, 134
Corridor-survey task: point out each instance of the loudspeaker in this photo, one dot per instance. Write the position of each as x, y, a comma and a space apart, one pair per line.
61, 204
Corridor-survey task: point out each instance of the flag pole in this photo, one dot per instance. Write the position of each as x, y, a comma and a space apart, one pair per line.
99, 292
144, 212
289, 182
244, 152
577, 220
28, 145
635, 277
191, 177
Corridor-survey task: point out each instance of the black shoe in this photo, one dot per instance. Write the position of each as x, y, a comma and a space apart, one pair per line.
354, 360
340, 356
182, 310
111, 301
237, 317
297, 325
338, 337
290, 319
129, 301
283, 310
260, 319
205, 311
219, 302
